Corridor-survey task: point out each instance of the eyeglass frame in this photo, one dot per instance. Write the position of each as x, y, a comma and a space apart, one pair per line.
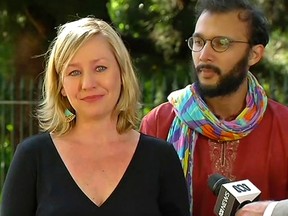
230, 41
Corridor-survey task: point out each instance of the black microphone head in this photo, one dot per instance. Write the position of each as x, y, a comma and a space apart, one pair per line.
215, 181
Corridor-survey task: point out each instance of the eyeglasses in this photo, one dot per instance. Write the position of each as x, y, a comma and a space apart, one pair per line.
218, 44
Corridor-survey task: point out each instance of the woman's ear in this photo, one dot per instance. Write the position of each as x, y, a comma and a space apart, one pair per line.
63, 92
256, 54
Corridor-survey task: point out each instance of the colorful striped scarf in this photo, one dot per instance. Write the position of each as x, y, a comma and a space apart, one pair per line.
193, 117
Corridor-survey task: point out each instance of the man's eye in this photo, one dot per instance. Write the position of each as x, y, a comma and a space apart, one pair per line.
101, 68
223, 41
198, 41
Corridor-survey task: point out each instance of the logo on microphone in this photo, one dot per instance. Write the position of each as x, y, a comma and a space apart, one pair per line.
224, 203
241, 187
231, 195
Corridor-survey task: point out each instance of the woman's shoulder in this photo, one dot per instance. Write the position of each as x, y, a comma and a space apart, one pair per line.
34, 147
155, 143
35, 141
160, 150
152, 139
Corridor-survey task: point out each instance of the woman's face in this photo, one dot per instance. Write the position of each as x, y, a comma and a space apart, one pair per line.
92, 80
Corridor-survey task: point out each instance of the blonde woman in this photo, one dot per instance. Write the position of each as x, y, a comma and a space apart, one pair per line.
90, 160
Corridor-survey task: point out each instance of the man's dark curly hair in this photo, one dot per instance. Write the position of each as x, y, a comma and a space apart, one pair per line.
259, 33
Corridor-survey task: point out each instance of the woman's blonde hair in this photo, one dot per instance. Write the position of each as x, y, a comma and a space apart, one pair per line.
70, 36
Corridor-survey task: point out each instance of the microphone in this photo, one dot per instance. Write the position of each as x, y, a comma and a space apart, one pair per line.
231, 196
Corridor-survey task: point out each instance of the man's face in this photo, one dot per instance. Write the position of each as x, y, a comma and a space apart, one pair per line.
227, 83
221, 73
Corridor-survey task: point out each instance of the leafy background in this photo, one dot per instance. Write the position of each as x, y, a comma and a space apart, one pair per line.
154, 32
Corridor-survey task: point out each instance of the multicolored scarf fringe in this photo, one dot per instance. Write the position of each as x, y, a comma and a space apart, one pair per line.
193, 117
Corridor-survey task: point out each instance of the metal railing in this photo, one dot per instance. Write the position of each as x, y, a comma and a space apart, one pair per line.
17, 104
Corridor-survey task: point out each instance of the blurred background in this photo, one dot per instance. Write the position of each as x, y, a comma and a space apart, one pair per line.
154, 32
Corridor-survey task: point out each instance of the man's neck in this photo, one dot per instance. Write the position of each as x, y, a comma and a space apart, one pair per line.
228, 107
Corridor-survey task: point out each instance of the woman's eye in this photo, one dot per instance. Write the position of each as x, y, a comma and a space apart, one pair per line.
101, 68
75, 73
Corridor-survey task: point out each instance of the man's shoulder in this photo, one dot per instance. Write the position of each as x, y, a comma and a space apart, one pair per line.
165, 109
277, 107
277, 112
158, 121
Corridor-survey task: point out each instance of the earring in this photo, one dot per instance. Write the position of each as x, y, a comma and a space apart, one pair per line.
69, 115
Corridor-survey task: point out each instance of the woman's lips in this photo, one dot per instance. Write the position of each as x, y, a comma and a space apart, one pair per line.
92, 98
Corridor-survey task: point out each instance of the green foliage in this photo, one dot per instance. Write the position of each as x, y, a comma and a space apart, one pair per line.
273, 70
151, 20
6, 46
133, 17
6, 153
154, 32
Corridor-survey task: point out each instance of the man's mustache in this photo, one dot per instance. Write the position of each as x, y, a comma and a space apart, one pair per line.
208, 67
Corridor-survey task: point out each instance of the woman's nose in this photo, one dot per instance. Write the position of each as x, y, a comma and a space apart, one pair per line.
88, 81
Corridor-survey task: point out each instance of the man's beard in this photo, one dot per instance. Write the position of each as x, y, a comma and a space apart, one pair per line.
227, 83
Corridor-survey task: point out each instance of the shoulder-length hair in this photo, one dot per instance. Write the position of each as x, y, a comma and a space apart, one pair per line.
70, 37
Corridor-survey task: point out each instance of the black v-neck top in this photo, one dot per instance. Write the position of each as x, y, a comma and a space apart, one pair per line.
38, 183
